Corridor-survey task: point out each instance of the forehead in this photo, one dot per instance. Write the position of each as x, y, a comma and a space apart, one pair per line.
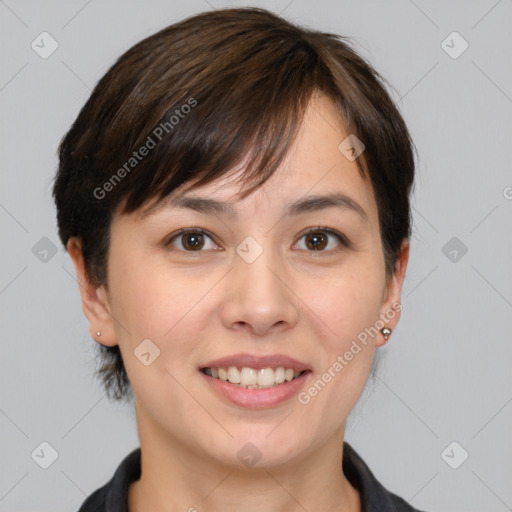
316, 173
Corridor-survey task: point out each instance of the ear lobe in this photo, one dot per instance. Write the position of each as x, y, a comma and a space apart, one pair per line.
94, 299
391, 307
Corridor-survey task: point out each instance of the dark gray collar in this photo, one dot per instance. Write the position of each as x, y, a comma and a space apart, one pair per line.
113, 496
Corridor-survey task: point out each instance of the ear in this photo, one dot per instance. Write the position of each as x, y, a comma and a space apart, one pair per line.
94, 299
391, 307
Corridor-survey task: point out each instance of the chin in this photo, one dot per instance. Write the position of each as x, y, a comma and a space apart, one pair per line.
260, 448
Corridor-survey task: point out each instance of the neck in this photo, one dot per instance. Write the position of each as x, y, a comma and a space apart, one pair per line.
175, 478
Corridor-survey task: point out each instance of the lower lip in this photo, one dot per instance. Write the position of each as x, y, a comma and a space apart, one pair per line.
256, 398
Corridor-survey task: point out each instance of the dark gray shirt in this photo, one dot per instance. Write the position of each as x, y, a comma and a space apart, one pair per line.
113, 496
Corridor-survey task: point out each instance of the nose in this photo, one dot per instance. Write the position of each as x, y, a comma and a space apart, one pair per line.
258, 299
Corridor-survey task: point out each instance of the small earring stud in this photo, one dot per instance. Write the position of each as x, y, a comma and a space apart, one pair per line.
386, 333
98, 333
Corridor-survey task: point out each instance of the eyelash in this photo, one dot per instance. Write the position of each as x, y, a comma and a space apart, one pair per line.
342, 239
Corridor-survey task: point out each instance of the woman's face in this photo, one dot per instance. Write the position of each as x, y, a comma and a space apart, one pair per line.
254, 291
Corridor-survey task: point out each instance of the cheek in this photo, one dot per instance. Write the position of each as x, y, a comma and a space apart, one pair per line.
151, 302
349, 307
147, 299
351, 304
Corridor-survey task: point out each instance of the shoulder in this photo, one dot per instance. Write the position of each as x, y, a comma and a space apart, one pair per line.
96, 502
112, 497
374, 496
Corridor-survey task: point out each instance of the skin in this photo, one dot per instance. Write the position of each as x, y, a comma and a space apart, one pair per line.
199, 306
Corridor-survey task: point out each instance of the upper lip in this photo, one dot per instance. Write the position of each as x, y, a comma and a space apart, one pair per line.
257, 362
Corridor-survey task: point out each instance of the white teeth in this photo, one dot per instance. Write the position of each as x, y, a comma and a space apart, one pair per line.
250, 378
279, 375
265, 377
233, 375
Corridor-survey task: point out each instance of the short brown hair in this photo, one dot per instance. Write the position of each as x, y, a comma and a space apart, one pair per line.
221, 85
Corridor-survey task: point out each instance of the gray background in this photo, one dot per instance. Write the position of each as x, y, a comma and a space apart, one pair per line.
445, 375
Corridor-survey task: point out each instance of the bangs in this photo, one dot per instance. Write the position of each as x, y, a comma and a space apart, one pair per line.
203, 117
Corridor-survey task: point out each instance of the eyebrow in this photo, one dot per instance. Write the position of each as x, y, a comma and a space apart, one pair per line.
312, 203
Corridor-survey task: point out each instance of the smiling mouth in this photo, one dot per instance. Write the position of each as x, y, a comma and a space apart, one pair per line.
249, 378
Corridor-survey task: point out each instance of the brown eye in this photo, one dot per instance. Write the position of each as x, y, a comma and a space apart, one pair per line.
191, 240
318, 239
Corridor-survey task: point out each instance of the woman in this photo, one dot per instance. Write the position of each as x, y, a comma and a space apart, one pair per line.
235, 199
